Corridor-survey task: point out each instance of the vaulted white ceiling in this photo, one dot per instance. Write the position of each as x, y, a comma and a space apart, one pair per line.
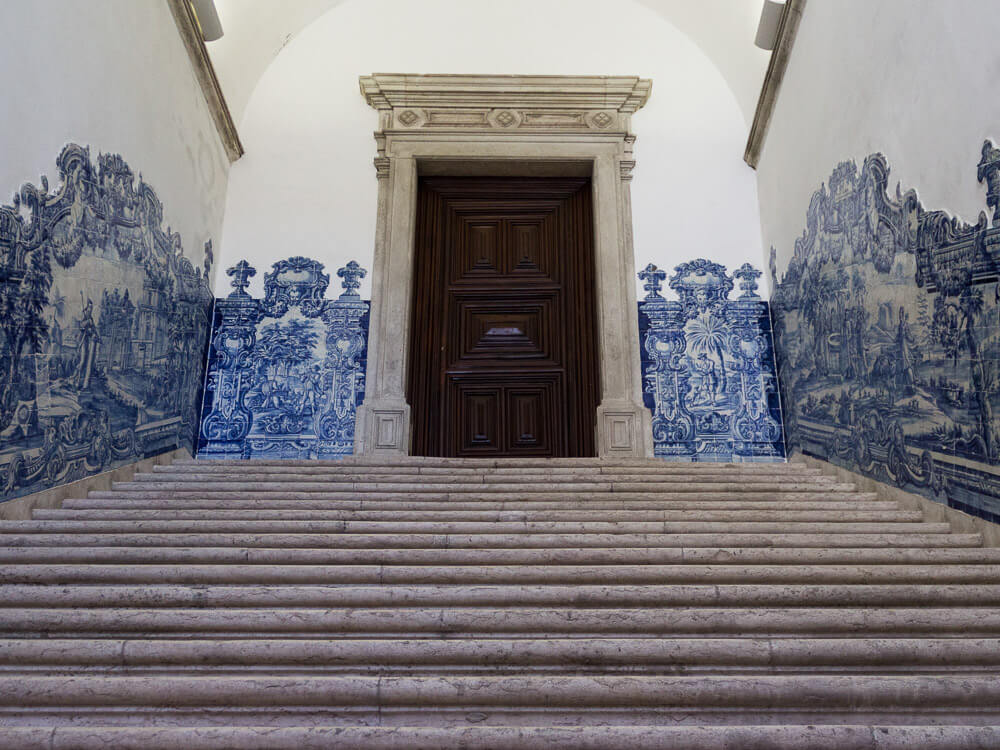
257, 30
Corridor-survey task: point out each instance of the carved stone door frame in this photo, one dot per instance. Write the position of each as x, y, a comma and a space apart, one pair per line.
504, 125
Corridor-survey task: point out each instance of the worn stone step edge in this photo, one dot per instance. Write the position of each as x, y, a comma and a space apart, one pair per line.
490, 541
510, 528
503, 556
492, 595
656, 737
502, 487
74, 621
654, 466
456, 575
974, 693
475, 463
180, 477
736, 503
418, 498
838, 515
527, 653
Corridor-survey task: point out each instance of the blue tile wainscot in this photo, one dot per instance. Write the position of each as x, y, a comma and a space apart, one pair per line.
104, 324
708, 366
286, 373
888, 337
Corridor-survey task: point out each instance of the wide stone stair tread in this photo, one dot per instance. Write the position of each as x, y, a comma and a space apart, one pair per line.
508, 603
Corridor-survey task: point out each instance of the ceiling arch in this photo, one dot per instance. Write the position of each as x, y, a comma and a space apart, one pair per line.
257, 30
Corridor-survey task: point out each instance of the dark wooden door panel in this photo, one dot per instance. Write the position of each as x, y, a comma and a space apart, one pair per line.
503, 348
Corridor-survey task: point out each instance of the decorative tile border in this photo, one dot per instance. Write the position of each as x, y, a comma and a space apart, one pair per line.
286, 373
708, 366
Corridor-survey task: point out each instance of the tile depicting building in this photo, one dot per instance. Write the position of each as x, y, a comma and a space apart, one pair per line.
286, 373
887, 330
103, 326
708, 365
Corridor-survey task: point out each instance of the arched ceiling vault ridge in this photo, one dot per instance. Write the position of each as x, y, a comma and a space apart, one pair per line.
257, 31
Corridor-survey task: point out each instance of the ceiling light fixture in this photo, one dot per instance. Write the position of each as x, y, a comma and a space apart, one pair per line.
770, 21
208, 19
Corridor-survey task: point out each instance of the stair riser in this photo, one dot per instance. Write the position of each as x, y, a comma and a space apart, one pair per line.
383, 505
321, 737
622, 575
468, 527
494, 541
495, 596
595, 556
514, 480
459, 623
487, 516
385, 655
780, 487
342, 467
493, 497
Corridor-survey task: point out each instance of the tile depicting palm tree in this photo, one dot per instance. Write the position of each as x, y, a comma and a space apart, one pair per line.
708, 366
888, 337
103, 326
286, 373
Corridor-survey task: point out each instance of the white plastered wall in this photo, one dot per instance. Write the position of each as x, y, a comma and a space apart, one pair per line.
914, 79
113, 75
306, 185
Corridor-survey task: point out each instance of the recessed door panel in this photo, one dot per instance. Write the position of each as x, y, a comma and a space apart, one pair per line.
503, 347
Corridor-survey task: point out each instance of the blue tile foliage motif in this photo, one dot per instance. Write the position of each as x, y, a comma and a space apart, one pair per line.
708, 366
103, 326
887, 329
285, 373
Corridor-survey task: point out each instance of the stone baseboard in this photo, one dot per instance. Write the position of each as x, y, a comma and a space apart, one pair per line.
933, 511
20, 508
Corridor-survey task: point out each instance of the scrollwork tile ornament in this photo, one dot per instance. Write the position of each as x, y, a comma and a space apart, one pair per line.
288, 372
708, 380
296, 282
886, 322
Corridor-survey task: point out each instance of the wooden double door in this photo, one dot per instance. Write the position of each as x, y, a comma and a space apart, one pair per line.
503, 349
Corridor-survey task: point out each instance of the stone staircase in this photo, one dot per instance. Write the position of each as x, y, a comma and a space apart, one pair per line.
446, 603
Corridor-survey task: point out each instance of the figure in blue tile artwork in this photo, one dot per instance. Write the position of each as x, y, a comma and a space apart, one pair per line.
708, 367
887, 331
101, 320
286, 373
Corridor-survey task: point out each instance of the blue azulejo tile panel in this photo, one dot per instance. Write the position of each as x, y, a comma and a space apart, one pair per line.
285, 373
888, 345
708, 366
103, 326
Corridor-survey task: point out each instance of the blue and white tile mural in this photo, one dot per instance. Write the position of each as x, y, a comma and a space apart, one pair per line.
103, 326
286, 373
887, 327
708, 366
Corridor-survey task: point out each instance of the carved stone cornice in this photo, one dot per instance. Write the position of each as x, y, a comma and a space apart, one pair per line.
190, 31
516, 105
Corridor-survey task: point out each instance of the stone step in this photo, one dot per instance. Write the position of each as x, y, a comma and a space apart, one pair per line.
407, 497
500, 556
454, 575
734, 503
503, 700
492, 655
498, 516
180, 477
493, 596
487, 541
516, 464
244, 485
344, 467
633, 737
149, 617
511, 528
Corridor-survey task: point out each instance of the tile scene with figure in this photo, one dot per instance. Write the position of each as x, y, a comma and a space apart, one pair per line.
888, 337
286, 373
104, 324
708, 366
